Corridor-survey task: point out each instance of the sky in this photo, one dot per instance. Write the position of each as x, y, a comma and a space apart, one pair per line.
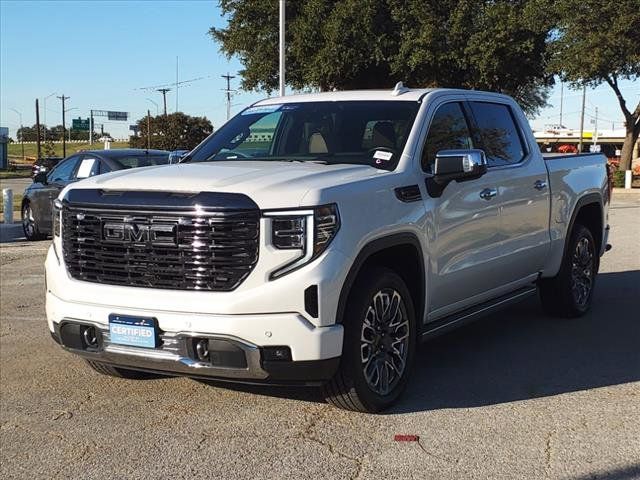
103, 53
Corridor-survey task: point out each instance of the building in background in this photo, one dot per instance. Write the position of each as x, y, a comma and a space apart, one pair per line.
4, 147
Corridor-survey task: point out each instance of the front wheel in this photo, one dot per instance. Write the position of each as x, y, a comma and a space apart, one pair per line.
379, 344
570, 292
30, 225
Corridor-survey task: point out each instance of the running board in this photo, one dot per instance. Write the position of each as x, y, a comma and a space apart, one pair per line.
439, 327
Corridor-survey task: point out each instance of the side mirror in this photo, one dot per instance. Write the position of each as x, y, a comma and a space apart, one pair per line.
459, 165
40, 177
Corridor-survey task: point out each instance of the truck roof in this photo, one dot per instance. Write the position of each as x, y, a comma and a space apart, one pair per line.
404, 94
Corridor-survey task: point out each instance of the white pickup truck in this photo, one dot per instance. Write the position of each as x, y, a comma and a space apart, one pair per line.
316, 239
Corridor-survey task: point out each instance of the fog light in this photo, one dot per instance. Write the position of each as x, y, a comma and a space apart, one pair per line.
276, 353
202, 350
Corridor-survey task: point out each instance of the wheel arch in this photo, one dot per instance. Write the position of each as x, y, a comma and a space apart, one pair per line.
589, 211
401, 252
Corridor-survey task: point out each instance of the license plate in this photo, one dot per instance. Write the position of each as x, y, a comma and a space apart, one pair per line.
133, 331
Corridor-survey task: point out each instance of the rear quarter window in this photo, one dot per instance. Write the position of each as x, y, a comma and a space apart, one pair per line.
497, 133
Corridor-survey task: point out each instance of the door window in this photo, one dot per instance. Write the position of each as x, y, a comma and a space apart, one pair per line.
64, 171
497, 133
448, 131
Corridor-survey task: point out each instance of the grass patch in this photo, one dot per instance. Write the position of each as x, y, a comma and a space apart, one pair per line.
31, 149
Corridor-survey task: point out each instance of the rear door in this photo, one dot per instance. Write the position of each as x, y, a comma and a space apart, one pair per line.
522, 190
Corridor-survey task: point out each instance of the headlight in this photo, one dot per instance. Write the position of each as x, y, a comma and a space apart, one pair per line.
57, 212
309, 231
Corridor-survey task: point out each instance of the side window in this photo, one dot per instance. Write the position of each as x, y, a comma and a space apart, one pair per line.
63, 171
497, 133
448, 131
88, 168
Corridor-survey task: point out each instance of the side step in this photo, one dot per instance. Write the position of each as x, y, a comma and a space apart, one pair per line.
439, 327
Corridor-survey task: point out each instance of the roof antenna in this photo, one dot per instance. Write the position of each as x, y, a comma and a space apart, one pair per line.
399, 89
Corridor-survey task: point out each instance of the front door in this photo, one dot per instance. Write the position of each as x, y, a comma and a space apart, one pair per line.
57, 179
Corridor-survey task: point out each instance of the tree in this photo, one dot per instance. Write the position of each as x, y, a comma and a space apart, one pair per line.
347, 44
172, 132
599, 42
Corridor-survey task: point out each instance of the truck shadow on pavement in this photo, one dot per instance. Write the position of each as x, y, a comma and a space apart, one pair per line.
519, 354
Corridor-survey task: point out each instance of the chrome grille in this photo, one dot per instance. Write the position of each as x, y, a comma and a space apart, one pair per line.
213, 250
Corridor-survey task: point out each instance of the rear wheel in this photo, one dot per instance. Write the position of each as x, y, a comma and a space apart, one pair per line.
30, 225
119, 372
569, 293
379, 344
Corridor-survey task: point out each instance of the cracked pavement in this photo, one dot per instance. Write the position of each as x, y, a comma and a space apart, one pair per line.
517, 395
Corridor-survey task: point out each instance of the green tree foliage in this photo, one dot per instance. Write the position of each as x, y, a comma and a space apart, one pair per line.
54, 133
172, 132
494, 45
598, 42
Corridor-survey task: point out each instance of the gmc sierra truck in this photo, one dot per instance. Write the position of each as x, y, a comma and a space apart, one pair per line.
317, 239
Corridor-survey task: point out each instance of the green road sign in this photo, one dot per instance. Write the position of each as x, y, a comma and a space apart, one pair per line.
80, 124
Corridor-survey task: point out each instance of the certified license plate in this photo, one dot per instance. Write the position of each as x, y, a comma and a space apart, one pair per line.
133, 331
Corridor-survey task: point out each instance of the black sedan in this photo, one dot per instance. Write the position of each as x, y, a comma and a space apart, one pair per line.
38, 197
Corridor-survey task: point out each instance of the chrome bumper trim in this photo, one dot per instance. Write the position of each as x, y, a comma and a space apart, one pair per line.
172, 356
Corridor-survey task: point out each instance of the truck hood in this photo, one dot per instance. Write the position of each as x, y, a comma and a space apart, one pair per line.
271, 184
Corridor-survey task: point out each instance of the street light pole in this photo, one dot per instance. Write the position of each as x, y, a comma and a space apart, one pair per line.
64, 143
156, 104
281, 45
584, 94
45, 114
21, 131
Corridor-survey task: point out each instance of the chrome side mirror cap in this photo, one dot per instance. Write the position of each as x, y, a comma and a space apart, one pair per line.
459, 165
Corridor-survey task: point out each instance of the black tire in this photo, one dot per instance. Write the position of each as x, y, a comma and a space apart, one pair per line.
350, 389
29, 224
119, 372
570, 292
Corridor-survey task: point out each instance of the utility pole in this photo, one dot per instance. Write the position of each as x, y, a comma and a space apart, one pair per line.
561, 100
164, 91
21, 130
148, 130
281, 45
64, 143
38, 128
176, 83
90, 127
595, 130
228, 91
584, 95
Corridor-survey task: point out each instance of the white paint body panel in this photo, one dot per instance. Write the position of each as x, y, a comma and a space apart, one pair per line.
473, 250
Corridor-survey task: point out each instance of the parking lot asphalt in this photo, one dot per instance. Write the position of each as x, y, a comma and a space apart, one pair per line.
517, 395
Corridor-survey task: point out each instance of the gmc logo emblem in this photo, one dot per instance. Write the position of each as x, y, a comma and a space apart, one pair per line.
157, 234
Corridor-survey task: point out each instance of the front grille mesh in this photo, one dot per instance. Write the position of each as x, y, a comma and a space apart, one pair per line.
215, 251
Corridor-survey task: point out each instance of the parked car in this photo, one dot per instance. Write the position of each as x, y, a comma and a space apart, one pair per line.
43, 165
38, 197
316, 239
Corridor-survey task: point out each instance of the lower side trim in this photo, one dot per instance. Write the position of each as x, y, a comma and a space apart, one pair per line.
439, 327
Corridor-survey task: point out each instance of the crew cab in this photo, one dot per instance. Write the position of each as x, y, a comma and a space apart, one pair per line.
316, 239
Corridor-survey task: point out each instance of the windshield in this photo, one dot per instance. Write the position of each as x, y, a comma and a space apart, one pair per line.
367, 133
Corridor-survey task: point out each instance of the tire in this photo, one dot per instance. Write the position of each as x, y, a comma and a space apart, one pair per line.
119, 372
29, 224
570, 292
367, 353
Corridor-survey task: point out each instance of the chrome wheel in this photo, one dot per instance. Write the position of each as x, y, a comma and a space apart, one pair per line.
28, 222
582, 271
384, 341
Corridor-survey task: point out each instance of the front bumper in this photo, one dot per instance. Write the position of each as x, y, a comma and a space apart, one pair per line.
314, 351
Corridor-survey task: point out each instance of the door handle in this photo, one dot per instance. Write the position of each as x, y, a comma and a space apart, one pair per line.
488, 193
540, 185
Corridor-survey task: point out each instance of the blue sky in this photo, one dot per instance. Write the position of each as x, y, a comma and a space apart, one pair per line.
101, 52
